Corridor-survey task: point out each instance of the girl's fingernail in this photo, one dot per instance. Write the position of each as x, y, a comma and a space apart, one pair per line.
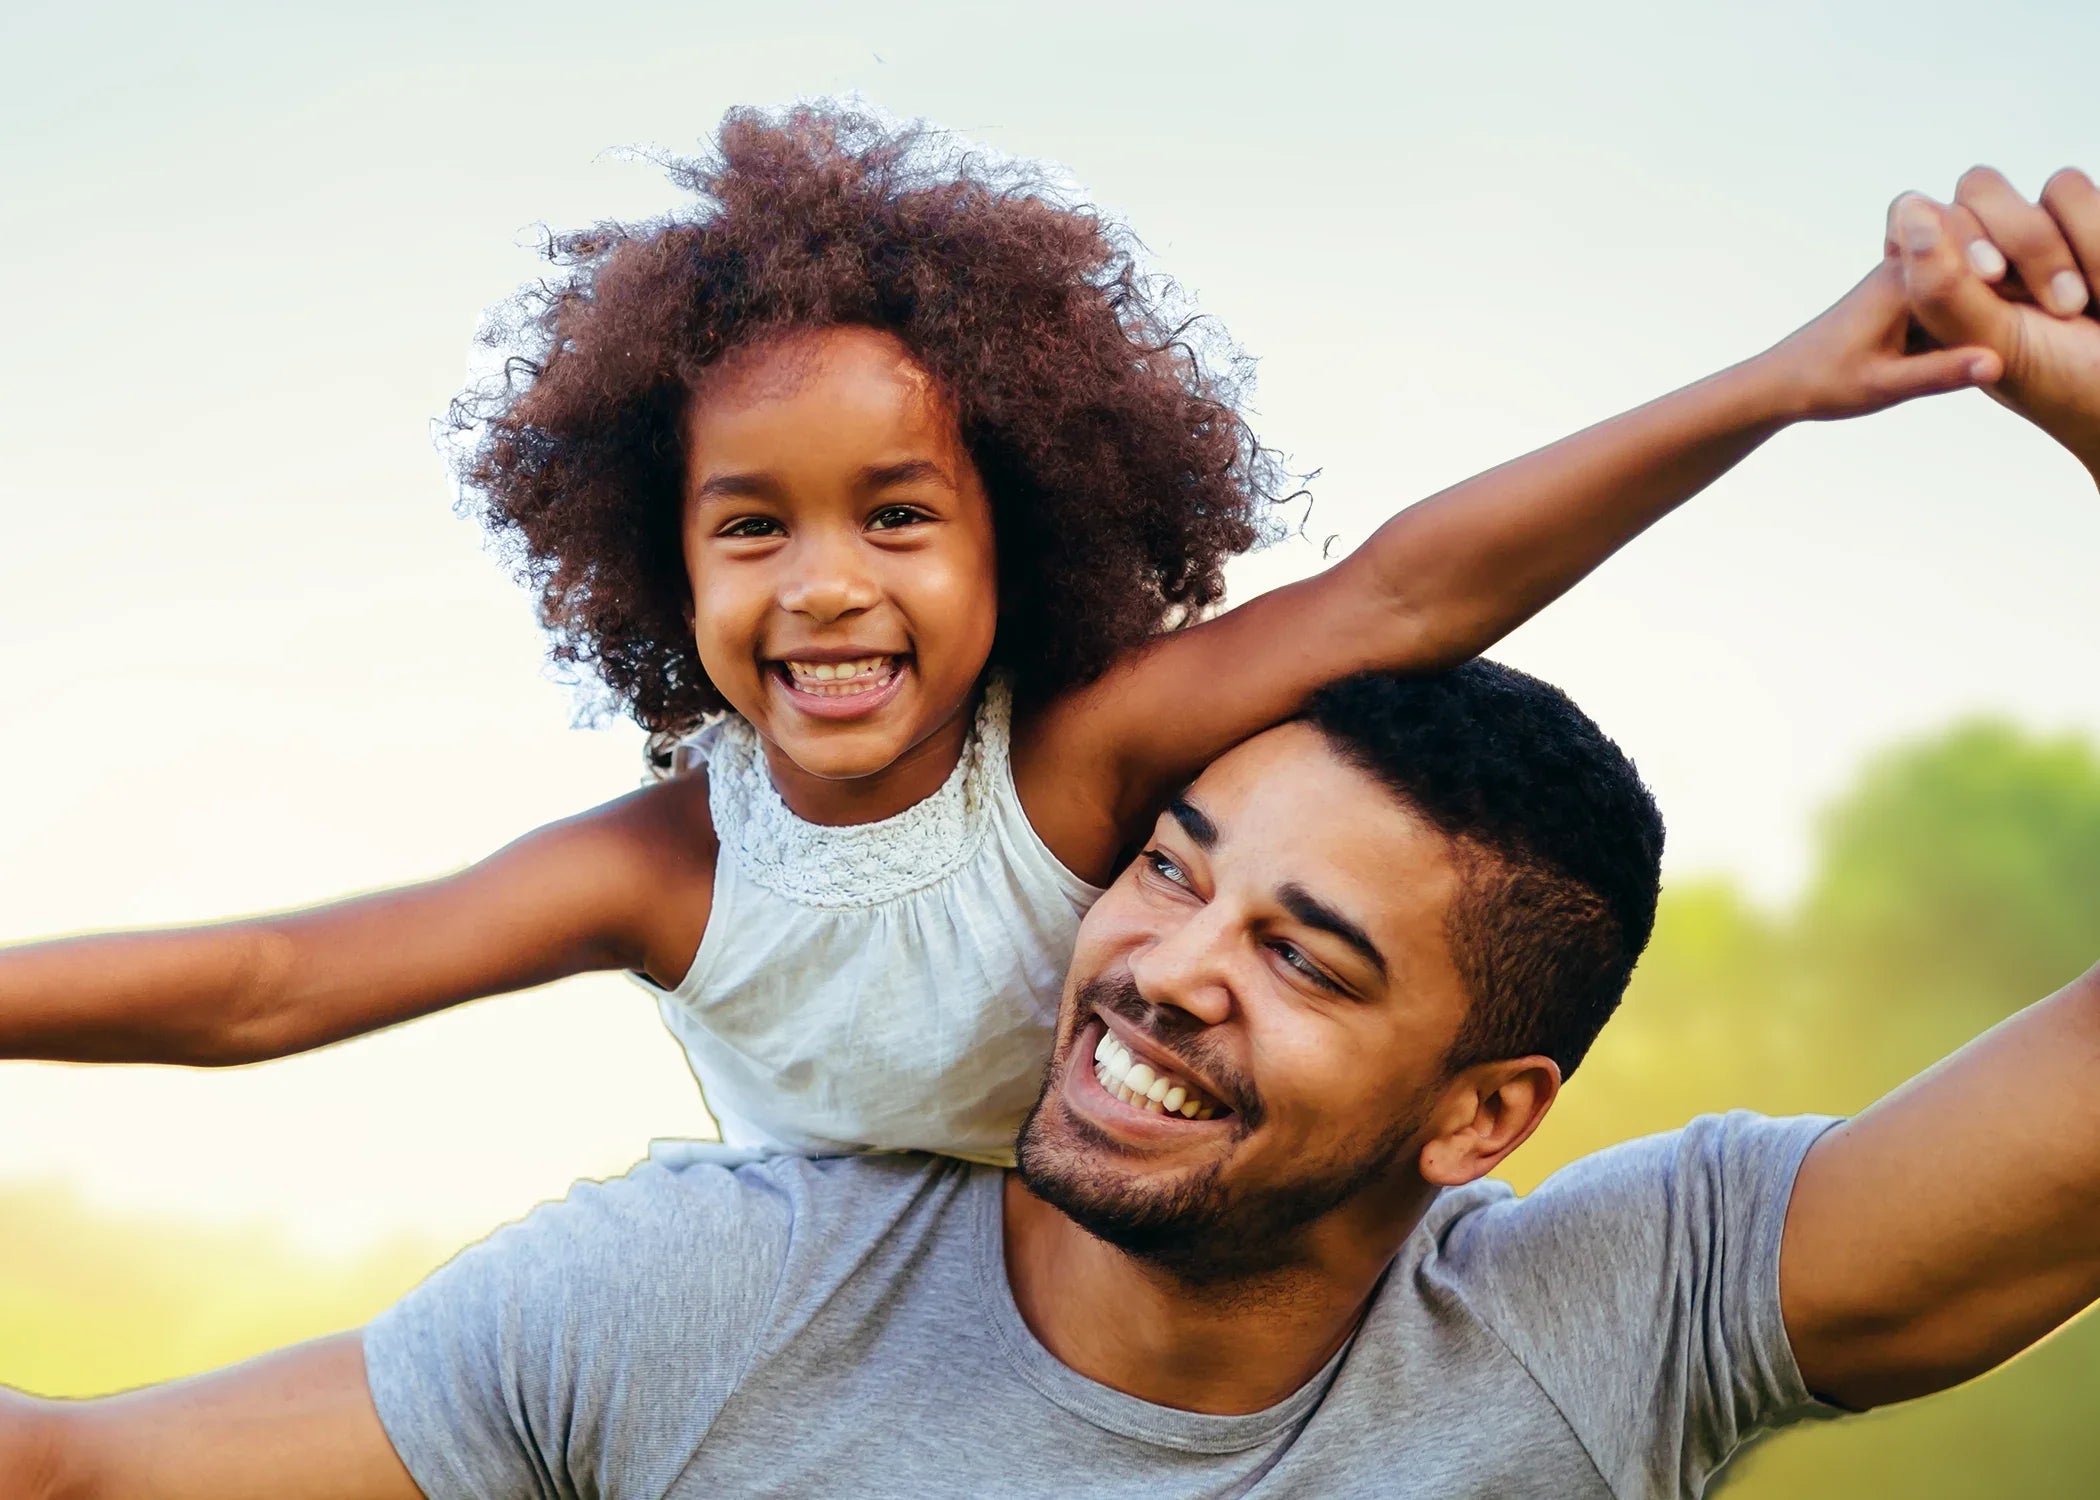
1987, 260
1982, 369
2067, 293
1917, 226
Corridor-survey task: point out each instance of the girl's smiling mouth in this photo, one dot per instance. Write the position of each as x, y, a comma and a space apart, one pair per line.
826, 685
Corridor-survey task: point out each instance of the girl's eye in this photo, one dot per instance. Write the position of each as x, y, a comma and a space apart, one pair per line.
1163, 864
890, 517
753, 526
1291, 955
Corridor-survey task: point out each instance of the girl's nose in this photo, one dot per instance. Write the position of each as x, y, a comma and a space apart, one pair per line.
828, 580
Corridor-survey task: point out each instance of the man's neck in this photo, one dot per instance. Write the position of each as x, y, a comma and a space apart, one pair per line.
1225, 1348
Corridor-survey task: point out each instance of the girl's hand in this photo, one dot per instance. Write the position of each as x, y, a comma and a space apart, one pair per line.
1856, 358
1996, 271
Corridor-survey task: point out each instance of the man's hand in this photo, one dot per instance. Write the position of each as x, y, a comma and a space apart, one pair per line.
1993, 270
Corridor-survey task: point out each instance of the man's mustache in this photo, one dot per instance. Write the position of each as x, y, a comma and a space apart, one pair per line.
1175, 1032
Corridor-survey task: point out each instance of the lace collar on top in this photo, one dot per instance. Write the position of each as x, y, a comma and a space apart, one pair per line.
863, 864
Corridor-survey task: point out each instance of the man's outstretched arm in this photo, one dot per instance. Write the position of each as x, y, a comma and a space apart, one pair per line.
1958, 1220
296, 1423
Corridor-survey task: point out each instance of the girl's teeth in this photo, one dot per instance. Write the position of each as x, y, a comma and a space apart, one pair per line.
841, 679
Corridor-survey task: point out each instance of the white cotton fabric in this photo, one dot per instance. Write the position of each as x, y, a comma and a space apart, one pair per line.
886, 986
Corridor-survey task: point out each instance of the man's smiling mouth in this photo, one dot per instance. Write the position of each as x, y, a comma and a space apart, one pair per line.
1148, 1086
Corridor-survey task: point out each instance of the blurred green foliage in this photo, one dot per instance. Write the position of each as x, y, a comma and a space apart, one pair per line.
1957, 880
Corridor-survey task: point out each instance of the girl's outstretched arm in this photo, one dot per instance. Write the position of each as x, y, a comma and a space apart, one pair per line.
1451, 575
624, 886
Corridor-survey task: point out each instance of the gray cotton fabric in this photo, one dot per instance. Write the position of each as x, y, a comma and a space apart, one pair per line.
845, 1327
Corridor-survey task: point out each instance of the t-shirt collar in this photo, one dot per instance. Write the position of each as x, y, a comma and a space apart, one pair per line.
1104, 1406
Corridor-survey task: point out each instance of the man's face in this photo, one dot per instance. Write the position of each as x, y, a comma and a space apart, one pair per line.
1278, 953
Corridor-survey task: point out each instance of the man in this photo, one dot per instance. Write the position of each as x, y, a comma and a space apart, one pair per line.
1368, 945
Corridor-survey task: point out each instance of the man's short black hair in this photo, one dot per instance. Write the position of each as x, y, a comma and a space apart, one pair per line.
1559, 842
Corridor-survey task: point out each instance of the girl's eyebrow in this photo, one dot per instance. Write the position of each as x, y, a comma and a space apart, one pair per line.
738, 486
906, 471
758, 485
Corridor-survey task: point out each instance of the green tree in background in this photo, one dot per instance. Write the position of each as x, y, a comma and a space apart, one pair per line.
1956, 881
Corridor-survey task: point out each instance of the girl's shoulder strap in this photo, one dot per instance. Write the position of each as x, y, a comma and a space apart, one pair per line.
670, 756
994, 727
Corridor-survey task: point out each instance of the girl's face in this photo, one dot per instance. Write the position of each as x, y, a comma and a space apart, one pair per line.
845, 584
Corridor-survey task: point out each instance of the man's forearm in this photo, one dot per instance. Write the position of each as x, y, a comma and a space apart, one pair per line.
1958, 1220
296, 1423
1471, 563
28, 1448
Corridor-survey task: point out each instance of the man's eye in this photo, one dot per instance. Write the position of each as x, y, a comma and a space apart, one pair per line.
1296, 958
890, 517
753, 526
1165, 866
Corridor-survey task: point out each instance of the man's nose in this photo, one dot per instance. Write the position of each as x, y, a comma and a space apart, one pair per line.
828, 579
1189, 967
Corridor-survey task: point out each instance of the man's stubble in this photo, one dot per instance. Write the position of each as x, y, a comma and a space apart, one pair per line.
1206, 1228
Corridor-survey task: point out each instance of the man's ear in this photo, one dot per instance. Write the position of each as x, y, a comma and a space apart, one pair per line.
1484, 1113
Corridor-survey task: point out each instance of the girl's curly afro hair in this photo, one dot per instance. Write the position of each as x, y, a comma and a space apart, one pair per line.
1103, 424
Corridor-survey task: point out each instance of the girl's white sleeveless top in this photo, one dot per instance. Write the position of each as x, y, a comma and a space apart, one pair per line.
887, 986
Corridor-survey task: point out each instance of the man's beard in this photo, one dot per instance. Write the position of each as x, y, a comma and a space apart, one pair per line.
1203, 1228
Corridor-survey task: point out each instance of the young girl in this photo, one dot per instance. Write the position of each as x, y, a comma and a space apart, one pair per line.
876, 487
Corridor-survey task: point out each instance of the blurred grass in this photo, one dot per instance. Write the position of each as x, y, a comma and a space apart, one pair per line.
1956, 881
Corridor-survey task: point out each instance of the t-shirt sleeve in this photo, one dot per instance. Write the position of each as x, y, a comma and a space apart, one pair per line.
585, 1350
1640, 1288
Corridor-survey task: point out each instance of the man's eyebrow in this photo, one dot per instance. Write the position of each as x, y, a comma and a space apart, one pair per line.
1194, 822
1314, 912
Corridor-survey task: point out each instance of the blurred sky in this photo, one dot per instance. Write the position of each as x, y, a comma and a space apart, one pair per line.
256, 660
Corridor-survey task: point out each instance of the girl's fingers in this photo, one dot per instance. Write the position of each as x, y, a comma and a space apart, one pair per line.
1940, 370
2029, 238
1953, 304
2074, 203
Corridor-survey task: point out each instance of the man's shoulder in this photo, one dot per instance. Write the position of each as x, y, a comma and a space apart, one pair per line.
773, 1196
1716, 1154
1630, 1293
699, 1221
603, 1333
1602, 1229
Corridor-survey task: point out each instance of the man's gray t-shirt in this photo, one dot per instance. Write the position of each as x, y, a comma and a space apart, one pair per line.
845, 1327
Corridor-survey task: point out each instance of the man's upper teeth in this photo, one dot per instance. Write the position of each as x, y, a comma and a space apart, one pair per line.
833, 671
1148, 1087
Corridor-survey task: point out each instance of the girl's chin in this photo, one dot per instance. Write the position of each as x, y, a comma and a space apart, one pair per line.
841, 759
